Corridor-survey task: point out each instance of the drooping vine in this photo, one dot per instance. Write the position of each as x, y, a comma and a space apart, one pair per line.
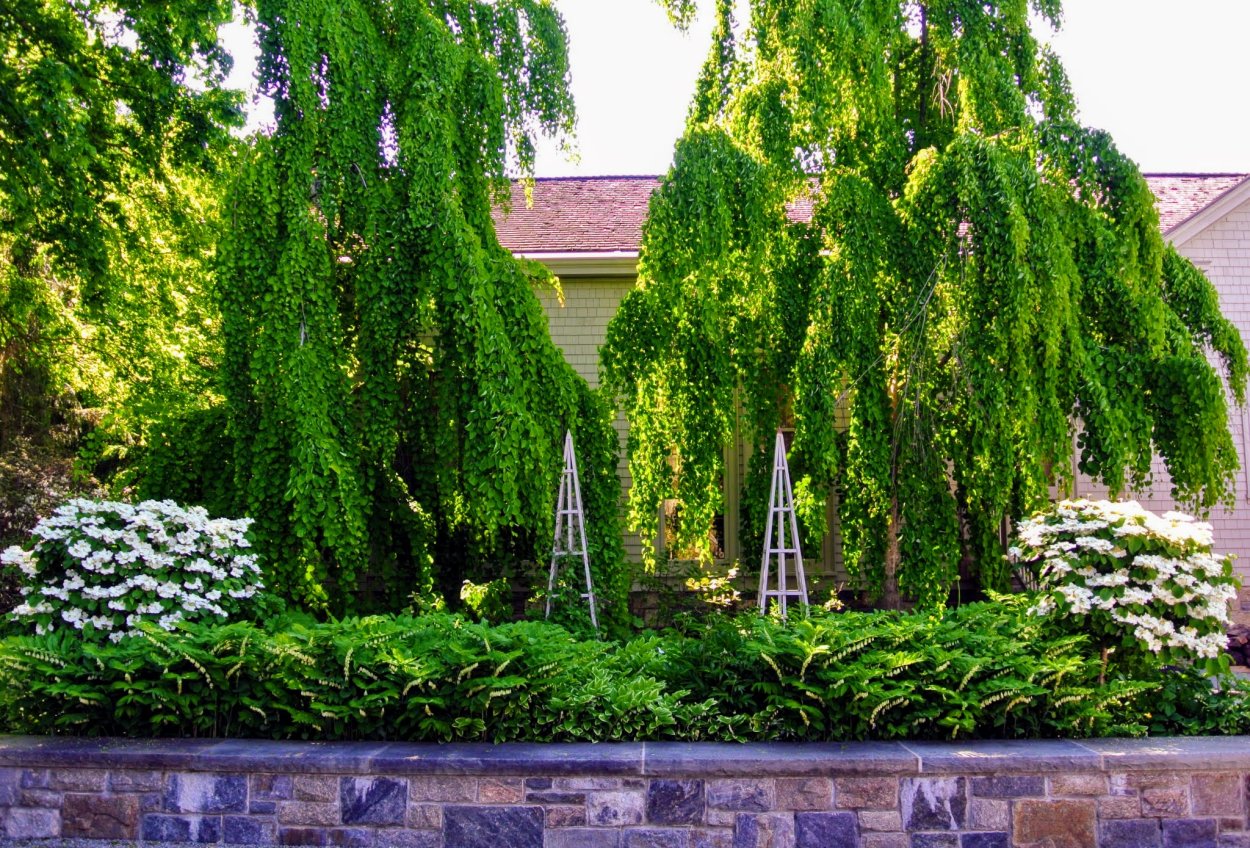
396, 403
982, 292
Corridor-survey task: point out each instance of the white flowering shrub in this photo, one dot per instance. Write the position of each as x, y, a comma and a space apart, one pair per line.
103, 568
1143, 584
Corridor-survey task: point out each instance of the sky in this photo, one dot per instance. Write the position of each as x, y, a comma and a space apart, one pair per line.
1170, 81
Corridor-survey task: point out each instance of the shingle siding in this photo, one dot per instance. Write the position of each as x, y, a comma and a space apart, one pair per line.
578, 327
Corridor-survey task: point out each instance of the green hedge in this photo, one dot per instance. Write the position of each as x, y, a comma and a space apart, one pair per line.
982, 671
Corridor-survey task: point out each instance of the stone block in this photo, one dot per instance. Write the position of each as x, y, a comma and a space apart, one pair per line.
1009, 786
581, 837
273, 787
826, 830
1118, 784
47, 798
34, 779
248, 830
78, 780
538, 783
100, 816
205, 793
551, 796
1056, 824
373, 800
1077, 784
614, 809
165, 828
428, 816
985, 840
565, 816
885, 840
675, 801
492, 827
1189, 833
308, 813
934, 803
1119, 807
885, 821
208, 829
989, 814
460, 790
934, 840
765, 830
721, 818
1165, 802
655, 837
135, 781
1233, 840
500, 790
315, 787
1156, 780
26, 823
868, 793
10, 786
586, 784
1216, 794
302, 836
742, 794
804, 793
1130, 833
371, 837
711, 838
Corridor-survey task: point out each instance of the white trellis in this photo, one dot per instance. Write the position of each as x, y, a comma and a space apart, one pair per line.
570, 535
781, 538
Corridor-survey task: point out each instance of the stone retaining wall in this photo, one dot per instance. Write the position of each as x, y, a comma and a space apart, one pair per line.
1165, 793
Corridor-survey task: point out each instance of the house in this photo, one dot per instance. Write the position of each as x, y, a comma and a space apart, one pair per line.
587, 231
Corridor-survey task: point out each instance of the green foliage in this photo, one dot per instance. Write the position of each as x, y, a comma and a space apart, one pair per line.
983, 671
105, 216
393, 396
982, 281
434, 678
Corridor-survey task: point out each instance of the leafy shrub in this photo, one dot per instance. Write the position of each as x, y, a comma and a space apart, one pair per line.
1145, 586
985, 670
436, 677
104, 568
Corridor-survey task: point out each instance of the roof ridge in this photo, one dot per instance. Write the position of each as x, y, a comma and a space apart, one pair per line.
1204, 174
573, 178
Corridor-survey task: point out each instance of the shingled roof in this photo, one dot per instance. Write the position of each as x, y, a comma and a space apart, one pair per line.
588, 215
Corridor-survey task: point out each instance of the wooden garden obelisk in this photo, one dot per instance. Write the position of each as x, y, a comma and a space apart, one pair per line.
570, 535
782, 550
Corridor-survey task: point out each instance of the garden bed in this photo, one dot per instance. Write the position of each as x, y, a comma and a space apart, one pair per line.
1109, 792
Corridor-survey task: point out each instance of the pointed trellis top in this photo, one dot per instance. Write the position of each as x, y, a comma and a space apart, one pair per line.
570, 532
781, 538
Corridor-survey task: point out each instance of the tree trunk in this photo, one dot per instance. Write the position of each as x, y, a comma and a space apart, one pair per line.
889, 596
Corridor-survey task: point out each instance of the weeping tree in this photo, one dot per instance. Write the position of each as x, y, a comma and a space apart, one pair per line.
981, 293
395, 402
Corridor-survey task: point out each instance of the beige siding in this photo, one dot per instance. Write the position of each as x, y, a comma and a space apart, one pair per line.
578, 327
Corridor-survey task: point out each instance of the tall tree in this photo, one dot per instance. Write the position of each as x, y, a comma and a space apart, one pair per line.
393, 393
106, 199
982, 286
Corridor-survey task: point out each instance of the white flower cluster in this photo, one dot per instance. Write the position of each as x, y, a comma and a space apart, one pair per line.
110, 566
1132, 572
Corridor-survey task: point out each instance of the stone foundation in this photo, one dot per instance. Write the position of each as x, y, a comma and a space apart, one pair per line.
1156, 793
